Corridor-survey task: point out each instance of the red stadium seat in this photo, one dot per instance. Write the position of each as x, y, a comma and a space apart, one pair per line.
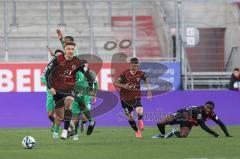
147, 44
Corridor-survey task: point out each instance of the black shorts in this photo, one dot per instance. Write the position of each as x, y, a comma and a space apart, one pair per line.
179, 118
59, 98
129, 105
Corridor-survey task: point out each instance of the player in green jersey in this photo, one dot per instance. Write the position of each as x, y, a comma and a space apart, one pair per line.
50, 104
83, 103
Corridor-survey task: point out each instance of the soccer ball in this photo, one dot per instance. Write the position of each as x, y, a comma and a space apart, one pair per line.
28, 142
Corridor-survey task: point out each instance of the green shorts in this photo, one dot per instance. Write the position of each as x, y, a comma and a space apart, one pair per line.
81, 104
50, 104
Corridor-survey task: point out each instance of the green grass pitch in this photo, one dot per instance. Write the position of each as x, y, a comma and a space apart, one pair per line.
119, 142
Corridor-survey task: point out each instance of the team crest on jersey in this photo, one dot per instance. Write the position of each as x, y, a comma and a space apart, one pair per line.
74, 67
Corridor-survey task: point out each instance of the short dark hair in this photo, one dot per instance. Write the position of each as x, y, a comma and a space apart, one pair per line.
58, 50
134, 60
210, 103
70, 38
236, 69
69, 43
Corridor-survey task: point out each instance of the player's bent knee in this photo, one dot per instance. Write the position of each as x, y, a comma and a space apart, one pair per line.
68, 104
68, 100
68, 107
139, 110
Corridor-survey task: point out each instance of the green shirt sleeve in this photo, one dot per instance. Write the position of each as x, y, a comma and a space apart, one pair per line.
43, 78
82, 84
96, 86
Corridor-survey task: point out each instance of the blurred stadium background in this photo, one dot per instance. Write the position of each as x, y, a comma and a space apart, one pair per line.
203, 35
197, 40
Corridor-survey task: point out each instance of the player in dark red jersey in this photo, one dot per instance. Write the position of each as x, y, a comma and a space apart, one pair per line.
61, 80
130, 94
189, 117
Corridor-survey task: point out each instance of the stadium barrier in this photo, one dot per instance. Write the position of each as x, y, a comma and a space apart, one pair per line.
24, 110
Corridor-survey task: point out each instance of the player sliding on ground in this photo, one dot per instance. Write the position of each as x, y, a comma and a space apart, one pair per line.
189, 117
61, 80
130, 94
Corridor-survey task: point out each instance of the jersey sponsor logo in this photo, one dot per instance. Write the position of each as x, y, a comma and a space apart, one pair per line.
74, 67
67, 72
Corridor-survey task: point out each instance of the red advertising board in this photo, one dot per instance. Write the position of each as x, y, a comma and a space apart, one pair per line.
25, 77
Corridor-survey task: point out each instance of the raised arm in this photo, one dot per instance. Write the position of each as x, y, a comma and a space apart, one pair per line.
60, 37
43, 78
